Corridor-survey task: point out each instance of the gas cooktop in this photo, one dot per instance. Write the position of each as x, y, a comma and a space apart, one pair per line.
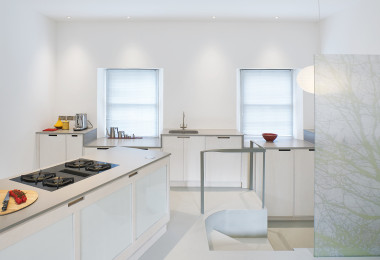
60, 176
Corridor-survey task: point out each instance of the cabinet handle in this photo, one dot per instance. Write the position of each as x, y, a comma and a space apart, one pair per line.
133, 174
74, 135
284, 150
223, 137
75, 201
53, 135
102, 148
183, 136
311, 150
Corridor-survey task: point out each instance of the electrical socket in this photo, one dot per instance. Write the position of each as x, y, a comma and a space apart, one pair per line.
62, 117
69, 117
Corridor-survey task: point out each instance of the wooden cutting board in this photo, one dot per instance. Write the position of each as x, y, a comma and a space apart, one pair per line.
31, 197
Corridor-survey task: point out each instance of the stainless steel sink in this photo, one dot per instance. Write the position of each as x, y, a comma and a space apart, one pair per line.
181, 131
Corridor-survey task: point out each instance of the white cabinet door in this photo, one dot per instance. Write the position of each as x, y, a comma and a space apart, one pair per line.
279, 182
74, 146
106, 225
223, 169
53, 242
174, 145
192, 159
151, 199
304, 182
52, 149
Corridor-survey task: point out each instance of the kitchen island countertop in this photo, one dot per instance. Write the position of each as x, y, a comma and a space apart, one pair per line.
128, 159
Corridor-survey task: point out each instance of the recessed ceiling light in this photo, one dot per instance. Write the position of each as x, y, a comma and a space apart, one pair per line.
213, 17
128, 17
68, 17
277, 17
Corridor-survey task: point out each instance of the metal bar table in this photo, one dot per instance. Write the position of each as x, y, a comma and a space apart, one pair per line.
250, 150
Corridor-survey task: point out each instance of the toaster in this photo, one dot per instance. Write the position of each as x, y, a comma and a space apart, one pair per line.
80, 122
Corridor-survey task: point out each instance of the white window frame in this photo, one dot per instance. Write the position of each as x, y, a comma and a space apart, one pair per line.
297, 103
102, 102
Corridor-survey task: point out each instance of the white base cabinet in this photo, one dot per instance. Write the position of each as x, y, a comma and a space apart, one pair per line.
74, 146
175, 146
151, 196
106, 225
57, 148
54, 241
185, 159
289, 182
221, 169
304, 182
52, 149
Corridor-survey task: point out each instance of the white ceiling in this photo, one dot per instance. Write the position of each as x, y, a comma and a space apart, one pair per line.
223, 10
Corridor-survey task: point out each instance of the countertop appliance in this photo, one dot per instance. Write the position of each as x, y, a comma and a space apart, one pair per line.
80, 122
64, 174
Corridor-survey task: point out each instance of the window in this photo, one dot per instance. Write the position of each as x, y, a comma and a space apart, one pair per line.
132, 102
266, 101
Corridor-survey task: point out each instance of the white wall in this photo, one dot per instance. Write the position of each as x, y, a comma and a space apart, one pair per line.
199, 62
27, 69
354, 31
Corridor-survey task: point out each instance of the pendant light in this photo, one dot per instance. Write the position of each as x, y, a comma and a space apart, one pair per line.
305, 79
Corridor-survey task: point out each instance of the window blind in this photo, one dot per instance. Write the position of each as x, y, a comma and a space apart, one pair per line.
266, 102
132, 101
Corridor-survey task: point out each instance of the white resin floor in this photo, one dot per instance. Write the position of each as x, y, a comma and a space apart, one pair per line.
185, 213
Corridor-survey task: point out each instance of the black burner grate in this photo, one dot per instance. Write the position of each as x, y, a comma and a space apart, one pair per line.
57, 182
80, 163
36, 177
97, 167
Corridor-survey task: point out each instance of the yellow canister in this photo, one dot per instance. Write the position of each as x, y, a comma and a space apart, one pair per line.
65, 125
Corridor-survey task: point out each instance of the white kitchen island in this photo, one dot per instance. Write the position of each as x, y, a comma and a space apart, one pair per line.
116, 214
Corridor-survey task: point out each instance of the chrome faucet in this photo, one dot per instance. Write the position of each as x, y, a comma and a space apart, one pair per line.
183, 126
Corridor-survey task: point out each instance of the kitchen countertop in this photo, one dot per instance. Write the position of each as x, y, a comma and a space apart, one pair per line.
280, 143
133, 143
210, 132
128, 159
156, 142
70, 131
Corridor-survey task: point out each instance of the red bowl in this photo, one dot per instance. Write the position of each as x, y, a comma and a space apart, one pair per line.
269, 137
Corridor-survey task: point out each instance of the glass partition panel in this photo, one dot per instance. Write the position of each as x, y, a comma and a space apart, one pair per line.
347, 173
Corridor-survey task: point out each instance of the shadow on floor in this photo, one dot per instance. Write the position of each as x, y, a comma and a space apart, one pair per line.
179, 224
